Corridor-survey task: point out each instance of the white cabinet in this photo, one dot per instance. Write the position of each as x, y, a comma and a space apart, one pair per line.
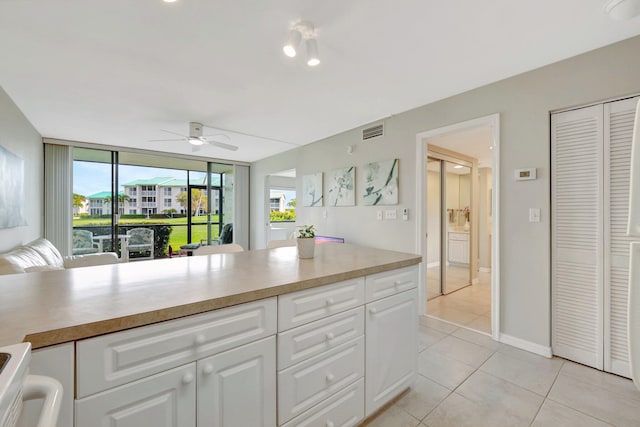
167, 399
237, 388
391, 363
224, 360
458, 247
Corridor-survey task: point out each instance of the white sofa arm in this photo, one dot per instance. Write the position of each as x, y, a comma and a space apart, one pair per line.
90, 260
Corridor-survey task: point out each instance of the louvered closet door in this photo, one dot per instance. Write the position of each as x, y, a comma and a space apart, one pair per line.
618, 131
577, 235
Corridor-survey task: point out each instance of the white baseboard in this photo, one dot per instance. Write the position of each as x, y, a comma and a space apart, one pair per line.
484, 269
433, 264
526, 345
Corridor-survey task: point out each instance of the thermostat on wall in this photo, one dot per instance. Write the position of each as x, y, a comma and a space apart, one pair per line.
525, 174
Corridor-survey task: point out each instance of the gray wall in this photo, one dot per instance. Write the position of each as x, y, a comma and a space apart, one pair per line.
524, 103
19, 137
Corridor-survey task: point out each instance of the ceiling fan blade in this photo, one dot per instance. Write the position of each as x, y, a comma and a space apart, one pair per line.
223, 145
165, 140
173, 133
218, 135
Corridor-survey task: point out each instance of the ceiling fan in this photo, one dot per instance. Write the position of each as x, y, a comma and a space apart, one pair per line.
196, 139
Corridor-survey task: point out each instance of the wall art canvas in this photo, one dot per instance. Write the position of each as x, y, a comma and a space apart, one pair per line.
381, 183
312, 189
342, 187
12, 210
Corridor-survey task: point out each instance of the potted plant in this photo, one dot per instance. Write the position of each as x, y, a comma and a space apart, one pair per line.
306, 241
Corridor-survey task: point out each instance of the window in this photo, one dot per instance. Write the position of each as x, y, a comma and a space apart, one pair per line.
133, 191
132, 212
133, 202
167, 191
167, 203
274, 204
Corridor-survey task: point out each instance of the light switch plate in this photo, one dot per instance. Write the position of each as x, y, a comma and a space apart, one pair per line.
379, 215
534, 214
390, 214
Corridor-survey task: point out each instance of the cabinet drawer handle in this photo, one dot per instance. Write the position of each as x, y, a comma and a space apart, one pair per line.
187, 378
373, 310
330, 377
330, 335
200, 339
398, 283
208, 369
329, 424
330, 301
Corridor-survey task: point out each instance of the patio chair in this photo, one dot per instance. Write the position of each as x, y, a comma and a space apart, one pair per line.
83, 242
140, 241
219, 249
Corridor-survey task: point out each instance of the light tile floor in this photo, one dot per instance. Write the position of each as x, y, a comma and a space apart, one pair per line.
470, 306
467, 379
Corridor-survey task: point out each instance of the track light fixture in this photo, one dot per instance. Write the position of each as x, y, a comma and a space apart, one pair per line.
622, 9
299, 31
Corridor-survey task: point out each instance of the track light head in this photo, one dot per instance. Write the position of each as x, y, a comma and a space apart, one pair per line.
312, 52
293, 42
622, 9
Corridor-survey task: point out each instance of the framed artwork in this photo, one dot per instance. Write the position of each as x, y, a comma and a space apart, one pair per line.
12, 210
342, 187
381, 183
312, 189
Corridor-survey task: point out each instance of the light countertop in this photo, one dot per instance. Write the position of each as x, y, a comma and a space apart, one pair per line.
53, 307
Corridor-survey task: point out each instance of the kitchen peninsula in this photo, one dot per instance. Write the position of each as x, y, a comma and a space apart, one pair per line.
198, 327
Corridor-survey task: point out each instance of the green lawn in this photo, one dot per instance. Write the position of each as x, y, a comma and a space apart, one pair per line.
178, 234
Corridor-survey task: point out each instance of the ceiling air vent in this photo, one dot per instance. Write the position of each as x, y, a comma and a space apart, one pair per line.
373, 132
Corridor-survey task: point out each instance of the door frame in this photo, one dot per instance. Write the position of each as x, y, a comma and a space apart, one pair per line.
422, 138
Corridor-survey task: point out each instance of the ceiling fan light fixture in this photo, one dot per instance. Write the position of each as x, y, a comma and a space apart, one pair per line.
293, 42
312, 52
194, 140
169, 1
622, 9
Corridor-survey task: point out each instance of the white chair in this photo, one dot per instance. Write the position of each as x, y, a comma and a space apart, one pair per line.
272, 244
140, 240
218, 249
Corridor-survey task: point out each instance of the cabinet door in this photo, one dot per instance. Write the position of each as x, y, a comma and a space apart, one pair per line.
391, 349
237, 388
167, 399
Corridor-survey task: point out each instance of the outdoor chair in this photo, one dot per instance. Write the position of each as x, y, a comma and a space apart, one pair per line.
140, 241
83, 242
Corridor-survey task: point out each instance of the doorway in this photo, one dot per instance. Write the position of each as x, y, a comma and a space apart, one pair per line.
280, 192
459, 223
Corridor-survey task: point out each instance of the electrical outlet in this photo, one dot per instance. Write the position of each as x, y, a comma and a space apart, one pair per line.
390, 214
379, 215
405, 214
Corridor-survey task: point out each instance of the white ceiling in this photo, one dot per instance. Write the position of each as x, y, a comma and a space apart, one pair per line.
473, 143
116, 72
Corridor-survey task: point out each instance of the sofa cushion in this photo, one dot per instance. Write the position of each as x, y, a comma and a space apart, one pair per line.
88, 260
22, 257
42, 268
47, 251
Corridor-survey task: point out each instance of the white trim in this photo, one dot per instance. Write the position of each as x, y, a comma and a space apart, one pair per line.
433, 264
484, 269
492, 121
544, 351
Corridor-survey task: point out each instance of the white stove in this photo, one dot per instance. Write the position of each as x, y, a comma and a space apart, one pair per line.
16, 386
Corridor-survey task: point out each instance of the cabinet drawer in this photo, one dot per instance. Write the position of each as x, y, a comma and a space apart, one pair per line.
308, 383
298, 344
459, 236
122, 357
302, 307
344, 409
166, 399
391, 282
